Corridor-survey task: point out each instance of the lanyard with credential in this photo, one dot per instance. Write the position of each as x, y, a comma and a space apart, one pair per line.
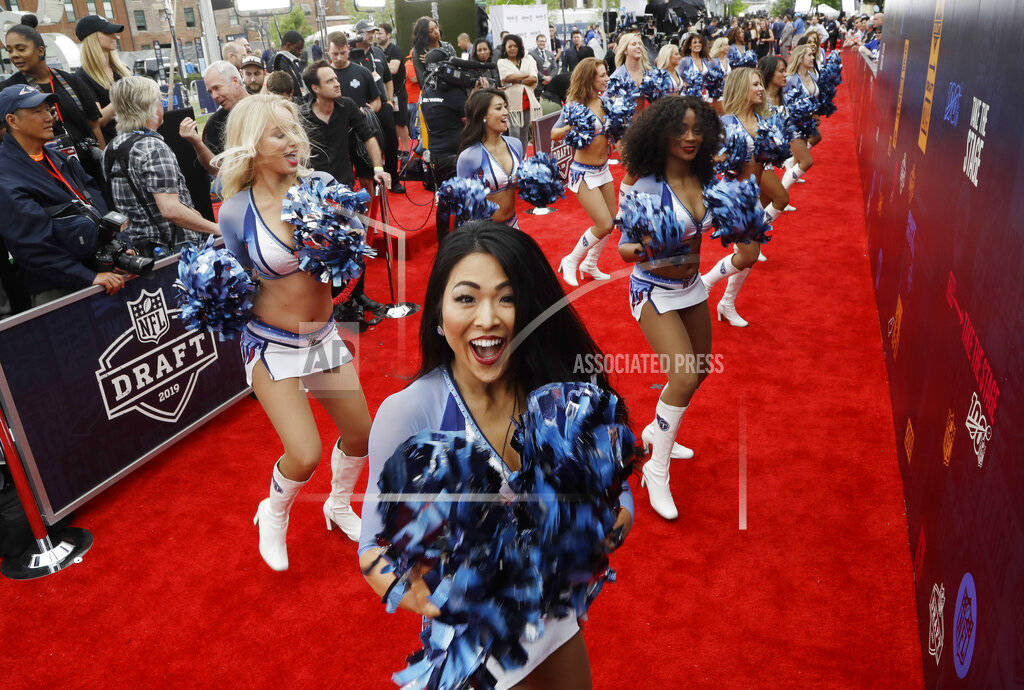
55, 174
56, 105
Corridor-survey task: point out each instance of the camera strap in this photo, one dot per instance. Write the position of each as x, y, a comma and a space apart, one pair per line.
121, 155
51, 168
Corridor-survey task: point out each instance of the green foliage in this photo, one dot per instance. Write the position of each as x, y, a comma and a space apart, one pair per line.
736, 7
293, 21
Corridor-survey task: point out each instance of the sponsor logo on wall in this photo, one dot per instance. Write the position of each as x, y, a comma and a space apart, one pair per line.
948, 437
899, 98
152, 367
896, 323
980, 367
965, 625
908, 441
975, 140
978, 428
912, 185
953, 93
929, 84
936, 629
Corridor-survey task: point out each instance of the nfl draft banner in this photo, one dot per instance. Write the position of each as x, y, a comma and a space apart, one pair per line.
93, 387
559, 150
941, 149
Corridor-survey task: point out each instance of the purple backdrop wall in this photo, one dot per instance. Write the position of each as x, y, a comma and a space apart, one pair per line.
941, 141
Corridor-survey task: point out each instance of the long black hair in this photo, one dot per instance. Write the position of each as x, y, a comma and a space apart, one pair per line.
767, 66
559, 342
421, 34
29, 33
490, 49
477, 106
685, 46
646, 144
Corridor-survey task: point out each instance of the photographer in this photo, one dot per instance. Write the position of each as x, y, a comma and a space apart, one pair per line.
369, 55
77, 124
146, 183
54, 249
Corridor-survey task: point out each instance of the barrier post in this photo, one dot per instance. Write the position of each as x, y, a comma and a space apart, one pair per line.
46, 558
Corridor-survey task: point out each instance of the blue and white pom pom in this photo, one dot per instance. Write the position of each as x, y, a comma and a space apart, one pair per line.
693, 82
214, 291
441, 509
330, 242
583, 123
540, 183
656, 83
736, 211
575, 457
622, 87
734, 152
746, 59
714, 81
800, 112
644, 220
619, 111
464, 199
828, 80
771, 145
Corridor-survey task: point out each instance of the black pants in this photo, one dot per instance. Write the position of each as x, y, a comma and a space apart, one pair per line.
390, 144
442, 168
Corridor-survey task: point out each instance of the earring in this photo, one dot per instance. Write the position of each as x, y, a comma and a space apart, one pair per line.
440, 332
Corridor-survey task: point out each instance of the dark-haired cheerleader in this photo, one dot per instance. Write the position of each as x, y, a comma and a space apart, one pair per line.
669, 150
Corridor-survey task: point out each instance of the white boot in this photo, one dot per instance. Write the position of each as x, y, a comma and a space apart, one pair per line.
679, 451
727, 305
272, 518
589, 264
723, 269
337, 508
655, 471
791, 176
567, 266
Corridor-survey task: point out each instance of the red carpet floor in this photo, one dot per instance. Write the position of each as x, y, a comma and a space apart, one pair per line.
817, 591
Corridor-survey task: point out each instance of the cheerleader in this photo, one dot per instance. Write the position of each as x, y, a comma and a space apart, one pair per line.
487, 283
718, 55
292, 342
488, 154
745, 107
668, 59
669, 150
631, 58
737, 44
695, 56
589, 176
773, 75
800, 78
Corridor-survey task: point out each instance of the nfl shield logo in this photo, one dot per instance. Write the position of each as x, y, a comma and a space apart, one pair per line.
149, 316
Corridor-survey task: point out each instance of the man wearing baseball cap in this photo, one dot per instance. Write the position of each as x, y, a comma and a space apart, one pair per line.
253, 73
53, 248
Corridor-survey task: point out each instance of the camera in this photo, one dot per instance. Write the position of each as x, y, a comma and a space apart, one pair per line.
113, 253
68, 146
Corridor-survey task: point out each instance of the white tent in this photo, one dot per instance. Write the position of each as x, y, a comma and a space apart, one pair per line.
827, 11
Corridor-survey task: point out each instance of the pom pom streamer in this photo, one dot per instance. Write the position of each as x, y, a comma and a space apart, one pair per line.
735, 211
734, 152
694, 82
747, 59
214, 291
771, 145
583, 122
619, 87
800, 112
619, 111
540, 183
329, 239
646, 221
465, 199
657, 83
575, 457
714, 81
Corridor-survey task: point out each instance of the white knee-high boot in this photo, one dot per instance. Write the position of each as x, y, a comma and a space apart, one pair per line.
569, 263
723, 269
589, 264
338, 511
791, 176
272, 518
727, 305
655, 471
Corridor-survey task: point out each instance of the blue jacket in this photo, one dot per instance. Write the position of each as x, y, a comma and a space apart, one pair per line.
31, 235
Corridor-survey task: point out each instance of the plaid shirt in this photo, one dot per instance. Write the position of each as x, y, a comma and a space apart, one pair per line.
154, 170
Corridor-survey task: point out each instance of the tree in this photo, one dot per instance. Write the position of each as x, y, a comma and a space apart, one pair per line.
736, 7
293, 21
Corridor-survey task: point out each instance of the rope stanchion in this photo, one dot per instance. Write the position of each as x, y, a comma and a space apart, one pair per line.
45, 558
379, 204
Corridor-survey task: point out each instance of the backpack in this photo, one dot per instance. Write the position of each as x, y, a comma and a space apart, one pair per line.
121, 155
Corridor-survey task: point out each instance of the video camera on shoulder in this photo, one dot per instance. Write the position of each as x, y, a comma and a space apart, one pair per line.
452, 71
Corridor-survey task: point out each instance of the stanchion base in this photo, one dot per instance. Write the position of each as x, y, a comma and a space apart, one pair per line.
48, 558
541, 210
399, 310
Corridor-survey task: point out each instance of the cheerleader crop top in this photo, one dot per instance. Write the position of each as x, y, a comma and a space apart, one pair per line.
661, 189
477, 162
430, 402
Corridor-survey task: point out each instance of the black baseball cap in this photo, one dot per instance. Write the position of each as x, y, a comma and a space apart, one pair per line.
92, 23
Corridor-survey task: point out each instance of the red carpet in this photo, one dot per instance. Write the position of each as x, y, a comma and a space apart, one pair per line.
816, 592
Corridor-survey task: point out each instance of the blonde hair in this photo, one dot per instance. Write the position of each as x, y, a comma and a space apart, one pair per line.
581, 83
736, 95
247, 123
135, 100
665, 55
795, 58
623, 44
719, 48
95, 61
